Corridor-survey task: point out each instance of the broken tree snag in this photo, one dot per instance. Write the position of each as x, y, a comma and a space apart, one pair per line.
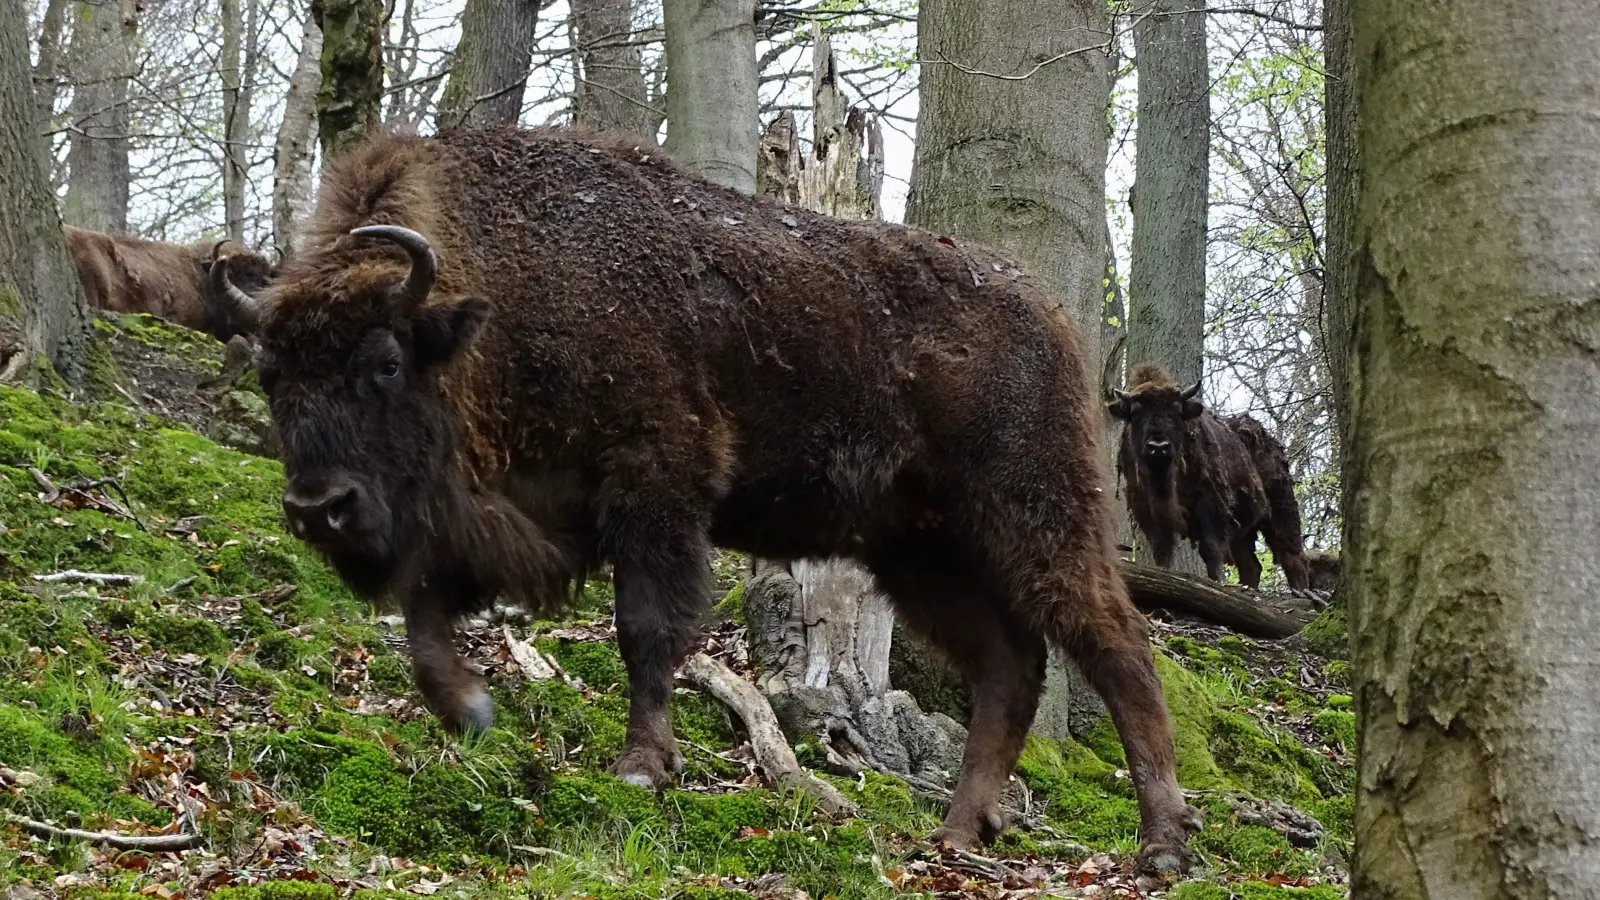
152, 843
1151, 587
771, 748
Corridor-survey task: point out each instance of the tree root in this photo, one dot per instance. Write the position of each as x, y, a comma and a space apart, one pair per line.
771, 748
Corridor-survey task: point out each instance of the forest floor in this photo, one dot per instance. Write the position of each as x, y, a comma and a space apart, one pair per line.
232, 689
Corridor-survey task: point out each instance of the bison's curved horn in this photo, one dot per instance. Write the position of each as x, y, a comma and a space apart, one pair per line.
245, 309
423, 264
216, 248
1124, 396
1190, 392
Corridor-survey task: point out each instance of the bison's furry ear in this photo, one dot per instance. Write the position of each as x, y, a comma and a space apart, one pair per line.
440, 332
1118, 408
1193, 408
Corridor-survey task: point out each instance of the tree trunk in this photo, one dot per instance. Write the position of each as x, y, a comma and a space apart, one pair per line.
712, 126
1167, 276
47, 74
103, 39
1337, 284
611, 92
291, 167
350, 96
491, 64
42, 311
235, 118
1019, 163
1472, 551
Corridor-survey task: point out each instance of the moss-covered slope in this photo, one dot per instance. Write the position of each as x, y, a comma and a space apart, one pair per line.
239, 689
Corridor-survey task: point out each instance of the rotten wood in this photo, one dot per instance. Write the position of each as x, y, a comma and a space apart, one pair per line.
771, 748
73, 576
1151, 587
151, 843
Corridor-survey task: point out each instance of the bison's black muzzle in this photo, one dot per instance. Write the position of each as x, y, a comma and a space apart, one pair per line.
333, 514
1158, 453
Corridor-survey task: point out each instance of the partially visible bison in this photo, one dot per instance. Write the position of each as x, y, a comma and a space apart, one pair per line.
1216, 482
182, 283
503, 357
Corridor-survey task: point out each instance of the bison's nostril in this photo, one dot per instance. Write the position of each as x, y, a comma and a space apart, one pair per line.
333, 510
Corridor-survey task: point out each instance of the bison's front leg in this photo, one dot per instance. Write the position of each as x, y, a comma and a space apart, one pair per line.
661, 589
455, 695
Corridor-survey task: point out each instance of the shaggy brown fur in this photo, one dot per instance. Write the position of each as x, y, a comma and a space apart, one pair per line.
618, 362
172, 281
1324, 569
1217, 483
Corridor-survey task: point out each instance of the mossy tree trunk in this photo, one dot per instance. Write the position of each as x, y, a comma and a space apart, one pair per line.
43, 317
104, 37
712, 126
1472, 557
1011, 152
350, 97
292, 151
611, 90
1167, 275
237, 33
490, 69
1339, 122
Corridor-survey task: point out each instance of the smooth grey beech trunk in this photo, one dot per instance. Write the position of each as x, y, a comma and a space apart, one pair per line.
1472, 550
712, 127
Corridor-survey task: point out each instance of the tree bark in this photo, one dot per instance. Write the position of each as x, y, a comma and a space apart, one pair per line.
611, 92
1472, 549
103, 39
1167, 274
47, 73
292, 152
1337, 284
350, 97
42, 309
1152, 587
490, 69
235, 117
1018, 162
712, 126
1167, 277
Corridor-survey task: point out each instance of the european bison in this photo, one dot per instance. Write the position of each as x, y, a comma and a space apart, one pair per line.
181, 283
1218, 483
503, 357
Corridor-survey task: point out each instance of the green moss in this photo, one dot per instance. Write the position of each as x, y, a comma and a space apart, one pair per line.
185, 634
1082, 794
1193, 713
1245, 890
1335, 725
1103, 740
1329, 633
286, 889
391, 673
731, 607
598, 663
1338, 701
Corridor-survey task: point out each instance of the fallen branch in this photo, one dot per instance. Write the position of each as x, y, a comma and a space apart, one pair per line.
1157, 588
153, 843
73, 576
771, 748
537, 665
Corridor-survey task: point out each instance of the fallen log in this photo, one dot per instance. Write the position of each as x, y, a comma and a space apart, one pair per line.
771, 748
1151, 587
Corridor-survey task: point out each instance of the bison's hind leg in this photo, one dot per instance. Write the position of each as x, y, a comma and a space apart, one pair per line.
1078, 600
1243, 551
947, 601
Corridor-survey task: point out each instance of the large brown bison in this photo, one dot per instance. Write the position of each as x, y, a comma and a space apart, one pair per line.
1216, 482
182, 283
503, 357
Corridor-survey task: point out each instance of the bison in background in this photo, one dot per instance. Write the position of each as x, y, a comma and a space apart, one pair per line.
502, 357
182, 283
1216, 482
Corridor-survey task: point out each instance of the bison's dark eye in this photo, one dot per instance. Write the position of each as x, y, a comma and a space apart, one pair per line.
389, 369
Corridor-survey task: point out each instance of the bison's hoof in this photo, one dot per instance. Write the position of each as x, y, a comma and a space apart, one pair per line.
473, 715
970, 837
648, 767
1165, 859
